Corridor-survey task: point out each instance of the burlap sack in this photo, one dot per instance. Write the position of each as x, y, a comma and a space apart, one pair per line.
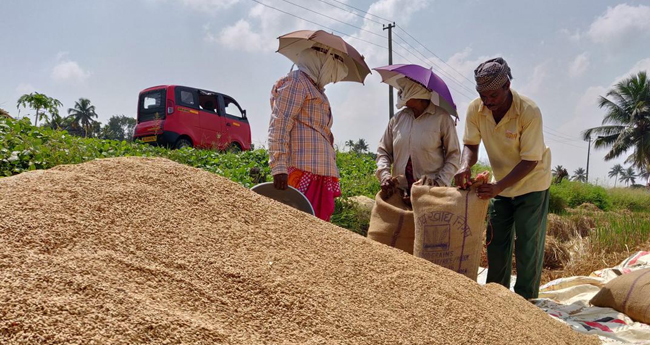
449, 225
391, 222
628, 294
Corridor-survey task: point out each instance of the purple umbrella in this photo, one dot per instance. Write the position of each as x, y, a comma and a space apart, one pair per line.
440, 94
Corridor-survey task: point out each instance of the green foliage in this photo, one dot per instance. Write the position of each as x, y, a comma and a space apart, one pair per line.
118, 128
636, 200
41, 103
351, 216
83, 116
574, 194
620, 232
626, 125
357, 174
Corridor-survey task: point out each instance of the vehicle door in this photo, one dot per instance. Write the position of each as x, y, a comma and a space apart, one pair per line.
212, 127
237, 126
186, 113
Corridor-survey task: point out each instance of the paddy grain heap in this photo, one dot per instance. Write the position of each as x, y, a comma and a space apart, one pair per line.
138, 250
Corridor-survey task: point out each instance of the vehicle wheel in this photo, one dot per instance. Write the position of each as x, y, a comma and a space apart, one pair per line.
234, 148
183, 142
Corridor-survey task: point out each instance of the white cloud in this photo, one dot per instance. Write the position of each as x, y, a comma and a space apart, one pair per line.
240, 36
209, 5
574, 37
587, 114
24, 88
258, 32
69, 71
579, 65
534, 84
642, 65
621, 26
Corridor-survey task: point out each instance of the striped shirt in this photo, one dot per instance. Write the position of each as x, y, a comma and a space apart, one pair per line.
300, 133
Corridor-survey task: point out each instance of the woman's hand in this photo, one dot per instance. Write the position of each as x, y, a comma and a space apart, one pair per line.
280, 181
388, 186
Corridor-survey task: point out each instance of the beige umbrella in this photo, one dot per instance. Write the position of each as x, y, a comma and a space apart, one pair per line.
293, 43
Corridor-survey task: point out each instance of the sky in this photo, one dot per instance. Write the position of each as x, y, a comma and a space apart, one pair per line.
563, 55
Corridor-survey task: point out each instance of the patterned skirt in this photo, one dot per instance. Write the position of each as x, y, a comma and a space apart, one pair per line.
319, 190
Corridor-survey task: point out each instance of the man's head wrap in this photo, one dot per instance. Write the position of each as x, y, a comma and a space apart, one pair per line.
492, 74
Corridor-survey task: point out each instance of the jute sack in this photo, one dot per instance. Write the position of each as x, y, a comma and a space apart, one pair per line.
391, 222
628, 294
449, 225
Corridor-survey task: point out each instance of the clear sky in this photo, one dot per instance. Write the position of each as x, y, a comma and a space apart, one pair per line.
563, 55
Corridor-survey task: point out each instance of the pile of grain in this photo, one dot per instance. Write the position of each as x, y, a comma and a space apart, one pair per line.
135, 250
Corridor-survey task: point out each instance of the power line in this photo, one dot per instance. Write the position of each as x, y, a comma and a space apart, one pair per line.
426, 60
356, 14
360, 10
431, 63
332, 18
562, 142
321, 25
451, 86
561, 135
434, 54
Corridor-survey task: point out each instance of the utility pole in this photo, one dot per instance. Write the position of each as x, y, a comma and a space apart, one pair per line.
391, 109
588, 152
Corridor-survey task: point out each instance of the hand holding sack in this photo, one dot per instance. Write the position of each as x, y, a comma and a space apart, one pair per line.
391, 220
449, 225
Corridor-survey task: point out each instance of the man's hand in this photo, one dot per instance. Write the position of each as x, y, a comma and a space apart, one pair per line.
463, 177
488, 190
280, 181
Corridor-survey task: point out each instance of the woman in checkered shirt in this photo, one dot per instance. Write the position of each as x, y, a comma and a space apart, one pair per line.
301, 151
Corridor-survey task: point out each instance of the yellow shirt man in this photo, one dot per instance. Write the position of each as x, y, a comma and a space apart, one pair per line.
510, 127
518, 136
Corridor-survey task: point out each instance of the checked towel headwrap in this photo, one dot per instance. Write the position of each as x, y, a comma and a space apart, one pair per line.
492, 74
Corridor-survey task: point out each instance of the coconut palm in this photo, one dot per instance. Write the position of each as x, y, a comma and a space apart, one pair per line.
580, 175
38, 102
350, 144
626, 125
628, 176
616, 170
560, 173
361, 146
82, 115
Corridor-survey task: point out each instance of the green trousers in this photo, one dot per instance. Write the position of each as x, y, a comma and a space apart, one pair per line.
520, 220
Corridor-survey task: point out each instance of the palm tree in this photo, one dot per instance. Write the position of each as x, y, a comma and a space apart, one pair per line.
616, 170
560, 173
38, 102
361, 146
350, 144
580, 175
83, 114
628, 176
627, 122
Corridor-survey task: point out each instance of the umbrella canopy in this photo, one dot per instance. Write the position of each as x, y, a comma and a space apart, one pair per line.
440, 94
293, 43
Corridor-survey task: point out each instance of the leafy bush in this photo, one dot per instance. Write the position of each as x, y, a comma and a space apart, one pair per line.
573, 194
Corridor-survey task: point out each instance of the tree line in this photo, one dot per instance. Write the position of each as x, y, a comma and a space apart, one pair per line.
80, 120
